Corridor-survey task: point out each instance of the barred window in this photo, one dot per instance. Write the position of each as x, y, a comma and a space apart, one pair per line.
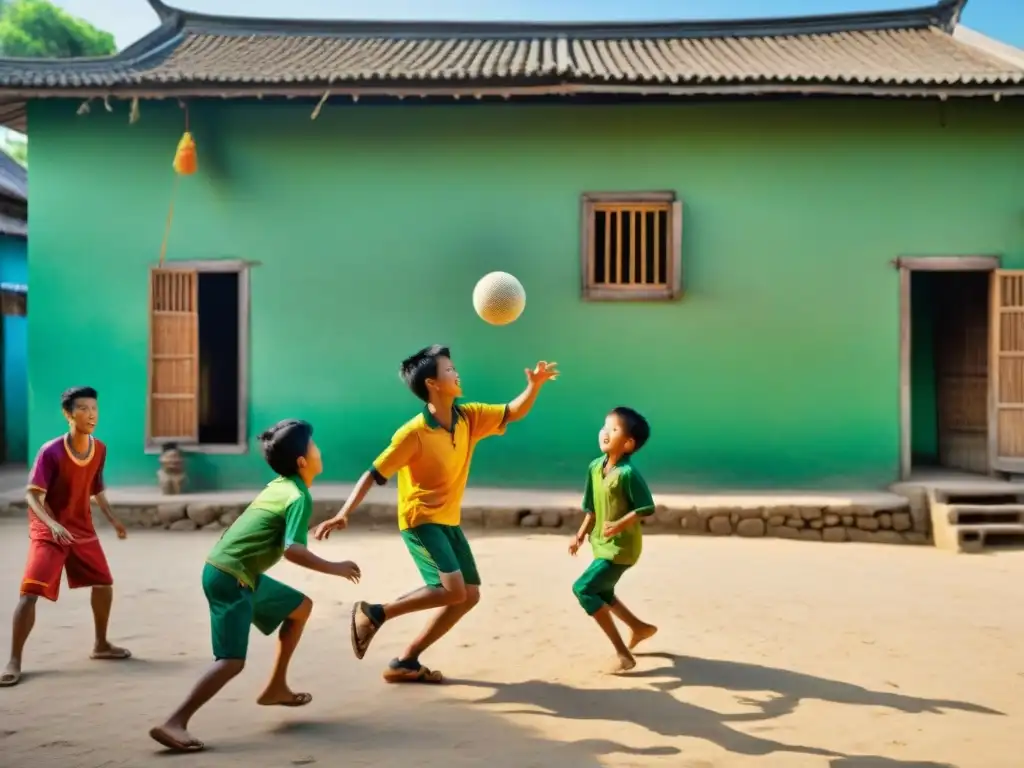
631, 246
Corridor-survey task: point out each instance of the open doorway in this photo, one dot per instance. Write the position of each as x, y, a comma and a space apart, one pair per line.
218, 357
198, 357
949, 370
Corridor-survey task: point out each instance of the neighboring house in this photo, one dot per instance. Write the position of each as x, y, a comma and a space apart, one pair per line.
14, 306
719, 223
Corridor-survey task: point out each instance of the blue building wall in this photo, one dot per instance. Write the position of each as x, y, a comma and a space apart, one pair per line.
14, 269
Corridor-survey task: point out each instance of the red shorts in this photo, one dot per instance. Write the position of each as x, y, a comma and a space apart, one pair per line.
84, 562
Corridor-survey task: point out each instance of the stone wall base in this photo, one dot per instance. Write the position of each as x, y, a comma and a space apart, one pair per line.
806, 523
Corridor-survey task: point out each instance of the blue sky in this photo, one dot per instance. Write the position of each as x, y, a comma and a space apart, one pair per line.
130, 19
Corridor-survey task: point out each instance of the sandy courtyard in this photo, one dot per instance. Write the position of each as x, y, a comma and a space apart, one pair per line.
771, 653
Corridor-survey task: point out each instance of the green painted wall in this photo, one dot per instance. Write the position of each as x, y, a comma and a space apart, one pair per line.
371, 225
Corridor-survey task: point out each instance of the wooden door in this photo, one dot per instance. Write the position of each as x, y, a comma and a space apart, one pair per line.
961, 370
1006, 371
173, 414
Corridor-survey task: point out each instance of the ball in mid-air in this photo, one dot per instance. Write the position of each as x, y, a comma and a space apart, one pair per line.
499, 298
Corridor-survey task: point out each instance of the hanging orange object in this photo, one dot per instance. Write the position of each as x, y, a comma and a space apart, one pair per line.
185, 161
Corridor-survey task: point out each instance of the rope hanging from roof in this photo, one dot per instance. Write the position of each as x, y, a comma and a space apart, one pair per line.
185, 163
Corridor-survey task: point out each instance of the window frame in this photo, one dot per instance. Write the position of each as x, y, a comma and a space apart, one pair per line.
241, 446
673, 288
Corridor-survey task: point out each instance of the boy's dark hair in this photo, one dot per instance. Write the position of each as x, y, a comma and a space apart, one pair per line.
67, 400
636, 426
284, 444
416, 369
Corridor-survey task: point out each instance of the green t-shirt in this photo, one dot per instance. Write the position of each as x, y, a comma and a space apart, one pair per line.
276, 519
611, 497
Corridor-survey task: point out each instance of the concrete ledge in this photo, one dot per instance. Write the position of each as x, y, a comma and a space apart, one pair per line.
862, 517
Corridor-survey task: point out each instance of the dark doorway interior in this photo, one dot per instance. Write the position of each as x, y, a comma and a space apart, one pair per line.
949, 370
218, 357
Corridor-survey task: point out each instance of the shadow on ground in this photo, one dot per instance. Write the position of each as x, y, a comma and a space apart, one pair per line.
655, 709
791, 687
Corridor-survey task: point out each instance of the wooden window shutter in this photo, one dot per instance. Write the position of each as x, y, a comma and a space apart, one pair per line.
1006, 371
172, 415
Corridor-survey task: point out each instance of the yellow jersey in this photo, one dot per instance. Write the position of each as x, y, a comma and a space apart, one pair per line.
433, 463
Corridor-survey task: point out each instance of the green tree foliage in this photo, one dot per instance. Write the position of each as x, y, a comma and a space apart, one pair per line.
39, 29
17, 148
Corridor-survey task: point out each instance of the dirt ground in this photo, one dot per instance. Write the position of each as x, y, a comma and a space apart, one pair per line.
774, 654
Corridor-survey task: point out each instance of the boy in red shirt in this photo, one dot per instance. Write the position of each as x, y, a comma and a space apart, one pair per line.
66, 475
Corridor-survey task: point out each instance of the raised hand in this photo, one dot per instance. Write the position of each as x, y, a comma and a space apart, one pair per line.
542, 372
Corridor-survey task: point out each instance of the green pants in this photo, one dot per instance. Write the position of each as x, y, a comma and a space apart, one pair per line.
234, 607
595, 588
438, 549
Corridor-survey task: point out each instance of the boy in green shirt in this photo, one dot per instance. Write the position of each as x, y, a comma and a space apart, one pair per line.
240, 593
615, 499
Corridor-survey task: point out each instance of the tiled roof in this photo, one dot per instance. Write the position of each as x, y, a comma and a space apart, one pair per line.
900, 56
895, 52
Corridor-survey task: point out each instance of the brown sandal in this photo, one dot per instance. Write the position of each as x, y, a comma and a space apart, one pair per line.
403, 672
362, 629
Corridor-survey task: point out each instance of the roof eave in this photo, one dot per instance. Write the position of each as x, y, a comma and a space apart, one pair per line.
514, 87
15, 101
944, 14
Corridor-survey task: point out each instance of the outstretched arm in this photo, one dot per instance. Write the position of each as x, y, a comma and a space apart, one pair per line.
296, 543
304, 558
403, 448
535, 379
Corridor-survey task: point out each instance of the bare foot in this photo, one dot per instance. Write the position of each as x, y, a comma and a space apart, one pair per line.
11, 675
175, 738
624, 663
641, 633
283, 698
108, 652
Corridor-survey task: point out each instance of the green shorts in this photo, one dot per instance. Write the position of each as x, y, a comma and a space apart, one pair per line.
438, 549
234, 607
595, 588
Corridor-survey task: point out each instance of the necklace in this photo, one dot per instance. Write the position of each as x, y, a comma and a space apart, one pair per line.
80, 456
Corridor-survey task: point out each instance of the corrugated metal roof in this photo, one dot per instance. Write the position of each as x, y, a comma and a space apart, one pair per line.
907, 51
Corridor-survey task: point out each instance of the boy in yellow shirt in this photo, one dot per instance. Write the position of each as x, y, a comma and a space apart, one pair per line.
431, 454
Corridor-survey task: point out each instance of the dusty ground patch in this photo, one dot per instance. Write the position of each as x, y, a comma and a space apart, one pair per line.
773, 654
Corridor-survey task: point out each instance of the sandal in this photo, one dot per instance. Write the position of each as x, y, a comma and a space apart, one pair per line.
113, 653
164, 739
411, 671
362, 628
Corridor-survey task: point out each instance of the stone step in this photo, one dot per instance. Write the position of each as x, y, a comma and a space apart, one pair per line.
954, 495
967, 514
976, 537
